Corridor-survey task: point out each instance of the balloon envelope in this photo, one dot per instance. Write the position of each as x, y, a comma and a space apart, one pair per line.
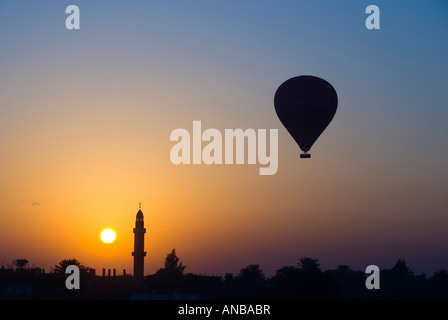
305, 105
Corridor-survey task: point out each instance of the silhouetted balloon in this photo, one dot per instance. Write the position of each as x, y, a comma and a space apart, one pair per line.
305, 105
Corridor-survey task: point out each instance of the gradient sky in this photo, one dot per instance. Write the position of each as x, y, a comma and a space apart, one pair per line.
86, 115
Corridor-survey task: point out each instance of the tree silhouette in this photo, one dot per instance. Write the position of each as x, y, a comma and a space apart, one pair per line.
64, 263
287, 282
307, 264
252, 273
172, 265
20, 263
59, 271
400, 273
399, 279
228, 277
342, 268
285, 271
304, 281
400, 270
441, 276
250, 283
351, 283
439, 284
170, 279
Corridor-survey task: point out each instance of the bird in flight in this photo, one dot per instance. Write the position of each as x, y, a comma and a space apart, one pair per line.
33, 203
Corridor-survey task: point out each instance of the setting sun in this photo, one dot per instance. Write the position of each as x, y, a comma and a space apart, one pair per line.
108, 235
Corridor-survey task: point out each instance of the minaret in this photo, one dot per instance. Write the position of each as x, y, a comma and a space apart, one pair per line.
139, 253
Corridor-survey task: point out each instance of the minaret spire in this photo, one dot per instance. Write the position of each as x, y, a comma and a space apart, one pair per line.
139, 252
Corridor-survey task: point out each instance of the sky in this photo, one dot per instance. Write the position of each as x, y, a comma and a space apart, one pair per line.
86, 117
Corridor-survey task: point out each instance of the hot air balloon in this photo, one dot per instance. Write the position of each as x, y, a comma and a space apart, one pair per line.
305, 105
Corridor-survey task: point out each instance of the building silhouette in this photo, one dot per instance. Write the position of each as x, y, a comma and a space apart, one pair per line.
139, 253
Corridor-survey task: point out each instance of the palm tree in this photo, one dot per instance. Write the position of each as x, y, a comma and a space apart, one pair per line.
307, 264
64, 263
252, 272
285, 271
251, 282
343, 268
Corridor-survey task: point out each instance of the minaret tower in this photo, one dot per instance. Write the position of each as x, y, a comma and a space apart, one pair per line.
139, 253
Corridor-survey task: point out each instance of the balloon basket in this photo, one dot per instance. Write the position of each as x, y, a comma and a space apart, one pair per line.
305, 155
